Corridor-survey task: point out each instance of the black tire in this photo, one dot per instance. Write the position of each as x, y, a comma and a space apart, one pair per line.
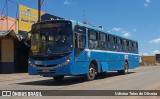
58, 78
91, 73
125, 71
102, 74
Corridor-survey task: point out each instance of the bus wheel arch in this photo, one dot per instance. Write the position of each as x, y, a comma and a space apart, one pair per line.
95, 64
92, 71
125, 69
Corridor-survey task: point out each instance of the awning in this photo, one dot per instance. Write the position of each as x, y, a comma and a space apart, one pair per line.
4, 33
10, 33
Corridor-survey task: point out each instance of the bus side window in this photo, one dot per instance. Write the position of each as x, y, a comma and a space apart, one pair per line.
130, 46
76, 40
112, 41
80, 36
135, 45
93, 39
125, 45
80, 39
119, 44
102, 42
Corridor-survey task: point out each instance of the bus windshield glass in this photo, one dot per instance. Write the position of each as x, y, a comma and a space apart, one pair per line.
51, 41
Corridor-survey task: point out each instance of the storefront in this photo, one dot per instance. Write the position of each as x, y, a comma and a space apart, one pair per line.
7, 54
13, 52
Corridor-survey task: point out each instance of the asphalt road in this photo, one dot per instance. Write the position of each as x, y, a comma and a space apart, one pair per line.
143, 78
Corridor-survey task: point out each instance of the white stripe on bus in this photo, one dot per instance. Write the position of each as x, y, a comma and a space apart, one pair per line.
110, 52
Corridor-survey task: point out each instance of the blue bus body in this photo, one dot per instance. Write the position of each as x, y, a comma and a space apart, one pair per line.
103, 58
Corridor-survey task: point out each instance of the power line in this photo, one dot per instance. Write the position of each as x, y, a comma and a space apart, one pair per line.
13, 2
2, 13
4, 7
17, 6
7, 12
16, 14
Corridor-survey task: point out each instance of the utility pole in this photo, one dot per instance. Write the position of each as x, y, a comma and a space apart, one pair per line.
39, 10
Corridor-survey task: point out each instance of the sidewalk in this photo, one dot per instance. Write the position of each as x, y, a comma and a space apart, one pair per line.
16, 76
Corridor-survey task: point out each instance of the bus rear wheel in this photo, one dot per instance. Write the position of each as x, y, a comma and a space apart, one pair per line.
125, 71
91, 73
58, 78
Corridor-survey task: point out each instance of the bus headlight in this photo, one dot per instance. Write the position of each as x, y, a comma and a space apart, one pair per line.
64, 63
29, 62
68, 60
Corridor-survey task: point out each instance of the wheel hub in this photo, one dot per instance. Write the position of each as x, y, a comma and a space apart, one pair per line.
91, 72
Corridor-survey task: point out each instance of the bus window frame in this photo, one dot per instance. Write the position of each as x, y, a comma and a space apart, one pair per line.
103, 43
77, 48
95, 39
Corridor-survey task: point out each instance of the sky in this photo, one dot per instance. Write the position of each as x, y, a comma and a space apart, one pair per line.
135, 19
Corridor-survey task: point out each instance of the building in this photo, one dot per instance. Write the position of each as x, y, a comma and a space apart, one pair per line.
13, 52
11, 48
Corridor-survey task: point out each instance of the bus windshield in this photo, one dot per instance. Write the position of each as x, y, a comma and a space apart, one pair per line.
51, 41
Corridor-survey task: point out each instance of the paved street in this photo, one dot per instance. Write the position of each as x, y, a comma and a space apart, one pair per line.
143, 78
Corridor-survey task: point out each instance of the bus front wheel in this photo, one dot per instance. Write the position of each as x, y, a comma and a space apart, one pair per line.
58, 78
91, 72
125, 71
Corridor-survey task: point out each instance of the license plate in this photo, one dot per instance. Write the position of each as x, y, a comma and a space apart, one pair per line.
38, 62
45, 71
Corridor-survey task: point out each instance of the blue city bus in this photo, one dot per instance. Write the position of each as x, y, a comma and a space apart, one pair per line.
66, 47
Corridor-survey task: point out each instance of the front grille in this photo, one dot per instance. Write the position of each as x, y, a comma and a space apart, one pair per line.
51, 57
46, 58
46, 65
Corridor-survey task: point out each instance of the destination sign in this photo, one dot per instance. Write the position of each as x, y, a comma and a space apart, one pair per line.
48, 25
